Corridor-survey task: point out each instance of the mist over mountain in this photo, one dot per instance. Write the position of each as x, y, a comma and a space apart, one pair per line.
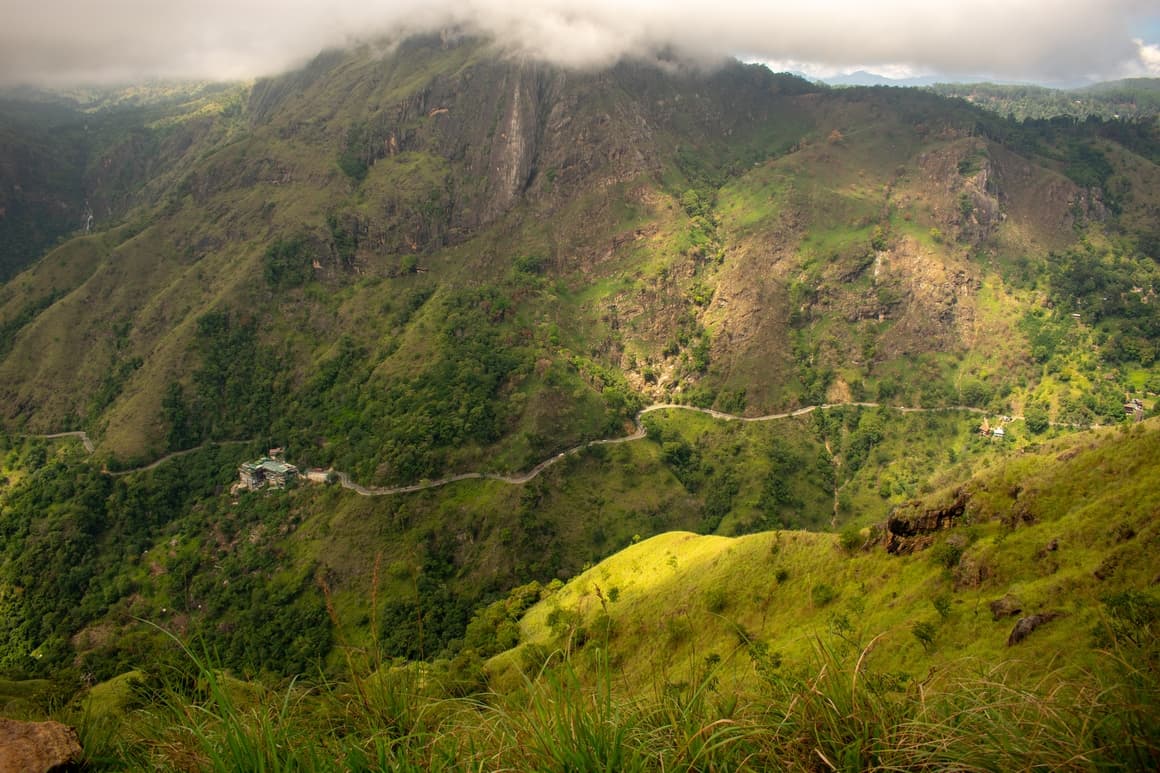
66, 42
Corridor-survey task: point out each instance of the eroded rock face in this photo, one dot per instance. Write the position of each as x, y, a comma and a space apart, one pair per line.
37, 747
909, 529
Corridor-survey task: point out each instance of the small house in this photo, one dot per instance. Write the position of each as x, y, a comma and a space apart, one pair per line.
266, 472
998, 433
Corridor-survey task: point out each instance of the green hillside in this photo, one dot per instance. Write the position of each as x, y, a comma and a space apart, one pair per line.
1042, 533
885, 647
1128, 99
322, 263
740, 387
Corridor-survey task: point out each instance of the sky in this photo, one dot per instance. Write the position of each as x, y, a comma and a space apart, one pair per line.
1057, 42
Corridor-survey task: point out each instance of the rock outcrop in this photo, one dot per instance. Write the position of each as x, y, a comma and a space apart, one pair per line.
909, 529
37, 747
1008, 606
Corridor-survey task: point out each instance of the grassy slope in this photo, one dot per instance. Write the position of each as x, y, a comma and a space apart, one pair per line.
685, 652
681, 597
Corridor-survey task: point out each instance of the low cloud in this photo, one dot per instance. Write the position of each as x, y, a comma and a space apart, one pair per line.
77, 41
1147, 61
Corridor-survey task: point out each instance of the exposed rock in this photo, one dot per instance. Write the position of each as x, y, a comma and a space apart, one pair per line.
1026, 625
37, 747
909, 529
1107, 567
1008, 606
970, 572
1050, 547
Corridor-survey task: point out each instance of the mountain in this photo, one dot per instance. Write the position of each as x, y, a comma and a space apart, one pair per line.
863, 78
450, 275
69, 162
617, 237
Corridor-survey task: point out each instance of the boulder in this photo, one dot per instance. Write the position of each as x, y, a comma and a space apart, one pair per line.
1008, 606
37, 747
1026, 625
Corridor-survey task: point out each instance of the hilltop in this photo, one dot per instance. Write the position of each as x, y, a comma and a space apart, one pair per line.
1041, 534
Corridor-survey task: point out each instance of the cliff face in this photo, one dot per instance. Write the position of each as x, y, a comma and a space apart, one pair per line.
487, 131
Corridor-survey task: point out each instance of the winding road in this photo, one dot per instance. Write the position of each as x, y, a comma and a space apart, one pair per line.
88, 444
638, 434
520, 478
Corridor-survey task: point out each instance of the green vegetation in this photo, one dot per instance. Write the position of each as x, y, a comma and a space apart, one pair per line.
393, 266
287, 263
834, 708
1133, 98
867, 658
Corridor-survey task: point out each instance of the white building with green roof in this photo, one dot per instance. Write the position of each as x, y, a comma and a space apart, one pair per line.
267, 472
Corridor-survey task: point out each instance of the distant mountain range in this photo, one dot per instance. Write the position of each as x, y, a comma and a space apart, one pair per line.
864, 78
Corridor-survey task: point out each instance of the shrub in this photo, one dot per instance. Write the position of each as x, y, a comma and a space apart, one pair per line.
942, 605
716, 600
287, 263
946, 554
1036, 417
924, 632
822, 594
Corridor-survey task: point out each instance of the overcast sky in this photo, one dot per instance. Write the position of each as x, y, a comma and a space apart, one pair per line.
1056, 41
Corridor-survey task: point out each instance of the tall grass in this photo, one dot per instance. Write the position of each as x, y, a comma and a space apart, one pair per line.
835, 713
959, 717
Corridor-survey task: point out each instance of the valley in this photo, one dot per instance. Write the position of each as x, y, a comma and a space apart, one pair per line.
675, 418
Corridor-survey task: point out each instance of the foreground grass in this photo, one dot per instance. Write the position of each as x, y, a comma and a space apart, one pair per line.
831, 712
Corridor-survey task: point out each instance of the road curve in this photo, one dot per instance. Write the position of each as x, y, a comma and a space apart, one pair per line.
88, 444
158, 462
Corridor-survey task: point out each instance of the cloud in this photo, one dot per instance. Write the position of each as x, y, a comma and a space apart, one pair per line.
1147, 61
63, 41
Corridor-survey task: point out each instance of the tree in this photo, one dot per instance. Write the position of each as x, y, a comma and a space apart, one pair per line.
1036, 417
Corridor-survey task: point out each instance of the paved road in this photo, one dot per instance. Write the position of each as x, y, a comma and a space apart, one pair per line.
523, 477
88, 444
638, 434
